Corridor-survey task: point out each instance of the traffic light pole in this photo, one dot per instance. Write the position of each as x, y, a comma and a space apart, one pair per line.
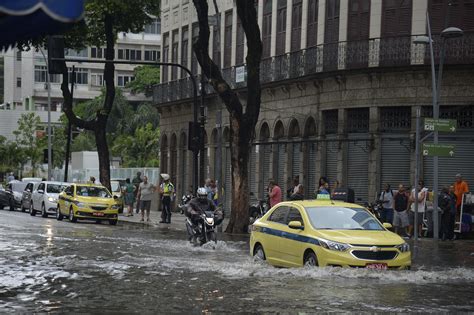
195, 100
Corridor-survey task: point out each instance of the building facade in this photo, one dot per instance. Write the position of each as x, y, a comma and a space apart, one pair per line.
25, 87
342, 81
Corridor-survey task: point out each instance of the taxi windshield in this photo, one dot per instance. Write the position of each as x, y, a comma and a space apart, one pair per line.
342, 218
115, 186
92, 191
54, 188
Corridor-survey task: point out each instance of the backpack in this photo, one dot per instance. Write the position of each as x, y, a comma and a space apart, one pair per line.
401, 202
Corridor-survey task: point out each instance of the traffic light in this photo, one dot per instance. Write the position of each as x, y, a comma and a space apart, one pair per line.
195, 137
56, 50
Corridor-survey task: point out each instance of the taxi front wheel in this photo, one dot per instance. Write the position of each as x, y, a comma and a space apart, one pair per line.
310, 259
72, 217
259, 253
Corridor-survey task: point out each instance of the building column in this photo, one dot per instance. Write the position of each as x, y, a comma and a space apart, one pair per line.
418, 27
234, 37
375, 32
343, 20
412, 146
321, 21
289, 16
304, 23
375, 146
274, 26
343, 146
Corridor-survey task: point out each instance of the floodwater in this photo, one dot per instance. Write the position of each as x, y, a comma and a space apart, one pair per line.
51, 266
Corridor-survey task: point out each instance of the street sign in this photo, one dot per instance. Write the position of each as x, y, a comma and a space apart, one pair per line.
240, 74
430, 149
445, 125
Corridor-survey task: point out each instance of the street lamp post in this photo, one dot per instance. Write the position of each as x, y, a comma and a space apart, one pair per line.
450, 32
48, 84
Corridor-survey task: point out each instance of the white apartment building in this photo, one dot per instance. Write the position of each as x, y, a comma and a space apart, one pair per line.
25, 87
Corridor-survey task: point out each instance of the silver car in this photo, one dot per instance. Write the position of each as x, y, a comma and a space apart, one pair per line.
45, 198
27, 195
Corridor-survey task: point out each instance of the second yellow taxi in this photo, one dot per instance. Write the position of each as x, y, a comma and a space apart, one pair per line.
89, 202
326, 233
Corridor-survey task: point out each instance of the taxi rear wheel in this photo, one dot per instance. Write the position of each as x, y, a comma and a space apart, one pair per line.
259, 253
310, 259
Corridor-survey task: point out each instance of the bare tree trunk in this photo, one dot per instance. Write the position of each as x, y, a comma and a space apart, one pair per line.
99, 124
242, 123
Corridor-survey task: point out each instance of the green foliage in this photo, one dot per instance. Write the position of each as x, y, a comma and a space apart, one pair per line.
26, 138
84, 141
145, 78
139, 150
13, 156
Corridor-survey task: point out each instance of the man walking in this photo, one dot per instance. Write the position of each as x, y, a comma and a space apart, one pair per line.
167, 192
145, 194
400, 215
387, 205
136, 182
460, 188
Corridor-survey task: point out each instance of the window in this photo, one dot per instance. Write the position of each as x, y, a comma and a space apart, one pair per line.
18, 82
77, 53
342, 218
267, 28
359, 20
152, 55
296, 25
121, 54
130, 54
69, 190
279, 215
312, 31
331, 33
41, 187
81, 75
281, 27
184, 49
166, 50
122, 80
97, 79
41, 74
153, 28
18, 55
239, 55
174, 54
294, 215
97, 52
228, 39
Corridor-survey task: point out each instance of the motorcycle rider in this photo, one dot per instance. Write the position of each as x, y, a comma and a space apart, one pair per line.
199, 205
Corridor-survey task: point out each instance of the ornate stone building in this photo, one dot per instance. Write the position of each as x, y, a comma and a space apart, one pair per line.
342, 81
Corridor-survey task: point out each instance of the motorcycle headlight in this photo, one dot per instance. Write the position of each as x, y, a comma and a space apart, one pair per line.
210, 220
341, 247
405, 247
51, 199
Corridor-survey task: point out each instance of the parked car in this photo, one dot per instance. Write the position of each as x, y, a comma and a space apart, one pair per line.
32, 179
87, 202
45, 198
27, 193
11, 196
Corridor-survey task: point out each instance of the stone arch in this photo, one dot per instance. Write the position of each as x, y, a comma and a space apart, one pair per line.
310, 129
278, 130
294, 129
264, 133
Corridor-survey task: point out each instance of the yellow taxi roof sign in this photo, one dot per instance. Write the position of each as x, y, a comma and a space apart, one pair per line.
323, 196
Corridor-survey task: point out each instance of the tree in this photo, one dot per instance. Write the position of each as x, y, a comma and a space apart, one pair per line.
103, 20
145, 78
27, 139
242, 121
13, 156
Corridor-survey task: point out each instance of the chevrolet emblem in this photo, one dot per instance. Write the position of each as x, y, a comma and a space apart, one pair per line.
375, 249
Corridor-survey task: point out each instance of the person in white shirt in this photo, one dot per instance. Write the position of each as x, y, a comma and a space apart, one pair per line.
422, 195
386, 197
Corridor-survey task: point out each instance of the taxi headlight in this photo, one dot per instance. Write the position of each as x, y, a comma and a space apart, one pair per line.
405, 247
80, 204
51, 199
115, 207
341, 247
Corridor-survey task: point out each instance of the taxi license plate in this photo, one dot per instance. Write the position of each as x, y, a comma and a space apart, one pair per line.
377, 266
98, 214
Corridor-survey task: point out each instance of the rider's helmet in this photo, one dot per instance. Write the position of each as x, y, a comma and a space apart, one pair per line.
202, 193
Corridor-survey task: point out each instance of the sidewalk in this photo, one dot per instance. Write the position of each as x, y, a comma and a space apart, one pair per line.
177, 220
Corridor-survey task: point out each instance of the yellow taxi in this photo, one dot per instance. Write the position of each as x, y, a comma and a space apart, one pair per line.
326, 233
87, 202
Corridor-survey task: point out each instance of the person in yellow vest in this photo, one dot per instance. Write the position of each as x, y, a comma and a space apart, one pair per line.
167, 193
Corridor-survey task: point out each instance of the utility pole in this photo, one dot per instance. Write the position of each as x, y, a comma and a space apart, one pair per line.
48, 84
69, 128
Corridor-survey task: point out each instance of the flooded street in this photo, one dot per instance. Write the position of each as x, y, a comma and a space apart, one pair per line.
51, 266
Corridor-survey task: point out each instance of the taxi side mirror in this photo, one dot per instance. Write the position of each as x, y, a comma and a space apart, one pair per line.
296, 225
115, 197
387, 225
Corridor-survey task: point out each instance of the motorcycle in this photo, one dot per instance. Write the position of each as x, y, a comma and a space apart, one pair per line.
204, 230
185, 199
257, 210
375, 207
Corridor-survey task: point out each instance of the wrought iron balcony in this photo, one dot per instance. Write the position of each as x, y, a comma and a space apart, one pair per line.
373, 53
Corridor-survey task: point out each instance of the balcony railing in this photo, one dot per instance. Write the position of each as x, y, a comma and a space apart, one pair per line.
377, 52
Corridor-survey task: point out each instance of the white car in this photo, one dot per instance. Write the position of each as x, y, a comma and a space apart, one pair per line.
45, 198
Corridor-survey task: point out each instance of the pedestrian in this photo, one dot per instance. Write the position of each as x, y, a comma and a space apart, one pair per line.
460, 188
386, 197
400, 215
208, 187
11, 177
129, 196
92, 180
293, 189
167, 193
337, 185
447, 203
299, 194
145, 194
422, 195
215, 192
136, 182
274, 193
323, 189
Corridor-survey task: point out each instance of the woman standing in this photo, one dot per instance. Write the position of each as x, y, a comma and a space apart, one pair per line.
129, 199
